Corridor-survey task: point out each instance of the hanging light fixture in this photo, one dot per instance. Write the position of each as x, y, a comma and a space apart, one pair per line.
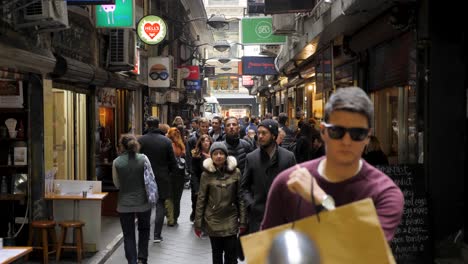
224, 60
217, 21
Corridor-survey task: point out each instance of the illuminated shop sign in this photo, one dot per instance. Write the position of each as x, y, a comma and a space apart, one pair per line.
151, 30
119, 15
258, 66
91, 2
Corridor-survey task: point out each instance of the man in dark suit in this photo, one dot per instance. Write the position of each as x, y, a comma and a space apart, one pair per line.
158, 148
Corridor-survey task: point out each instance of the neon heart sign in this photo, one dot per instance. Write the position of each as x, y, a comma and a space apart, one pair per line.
151, 29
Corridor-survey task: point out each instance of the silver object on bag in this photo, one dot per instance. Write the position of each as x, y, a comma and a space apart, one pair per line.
293, 247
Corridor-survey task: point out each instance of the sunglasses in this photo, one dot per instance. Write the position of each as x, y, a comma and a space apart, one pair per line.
338, 132
159, 75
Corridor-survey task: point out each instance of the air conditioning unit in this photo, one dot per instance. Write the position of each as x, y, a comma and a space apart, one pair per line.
284, 24
122, 50
45, 15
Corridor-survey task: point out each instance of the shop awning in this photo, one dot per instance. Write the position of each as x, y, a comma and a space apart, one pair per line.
62, 68
40, 62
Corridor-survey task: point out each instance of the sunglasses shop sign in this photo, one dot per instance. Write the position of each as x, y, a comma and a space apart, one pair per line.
159, 72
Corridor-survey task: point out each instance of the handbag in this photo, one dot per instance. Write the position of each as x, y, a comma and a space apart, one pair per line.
348, 234
180, 163
150, 183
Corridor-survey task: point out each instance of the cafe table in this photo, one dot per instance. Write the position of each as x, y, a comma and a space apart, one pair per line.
85, 208
10, 254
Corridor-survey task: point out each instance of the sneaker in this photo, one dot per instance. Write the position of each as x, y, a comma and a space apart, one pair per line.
157, 240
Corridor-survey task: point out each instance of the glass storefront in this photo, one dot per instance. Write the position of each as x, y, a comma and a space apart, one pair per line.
395, 124
67, 134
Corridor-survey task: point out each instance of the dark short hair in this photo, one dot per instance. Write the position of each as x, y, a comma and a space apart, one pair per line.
195, 120
217, 118
282, 118
152, 121
231, 117
350, 99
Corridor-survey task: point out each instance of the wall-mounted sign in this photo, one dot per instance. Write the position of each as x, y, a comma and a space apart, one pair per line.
259, 30
151, 29
247, 81
119, 15
106, 97
91, 2
192, 84
190, 72
159, 72
11, 94
209, 71
280, 6
258, 66
136, 69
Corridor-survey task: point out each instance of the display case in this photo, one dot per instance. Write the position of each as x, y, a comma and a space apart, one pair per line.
14, 157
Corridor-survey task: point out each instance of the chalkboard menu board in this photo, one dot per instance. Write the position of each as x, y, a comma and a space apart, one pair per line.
411, 244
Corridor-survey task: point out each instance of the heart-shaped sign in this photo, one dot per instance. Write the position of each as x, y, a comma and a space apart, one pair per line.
152, 30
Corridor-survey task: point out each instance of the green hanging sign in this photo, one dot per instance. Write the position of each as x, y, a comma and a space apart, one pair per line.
120, 15
151, 30
259, 30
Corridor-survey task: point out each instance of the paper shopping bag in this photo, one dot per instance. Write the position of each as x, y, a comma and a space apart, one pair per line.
348, 234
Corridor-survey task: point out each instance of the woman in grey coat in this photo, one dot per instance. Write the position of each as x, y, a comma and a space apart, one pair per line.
128, 171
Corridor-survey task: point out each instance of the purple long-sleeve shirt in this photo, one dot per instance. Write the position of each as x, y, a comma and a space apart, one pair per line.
282, 204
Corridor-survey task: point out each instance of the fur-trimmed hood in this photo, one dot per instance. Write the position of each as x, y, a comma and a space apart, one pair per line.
209, 166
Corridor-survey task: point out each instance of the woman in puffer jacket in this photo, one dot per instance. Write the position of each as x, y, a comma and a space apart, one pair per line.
220, 209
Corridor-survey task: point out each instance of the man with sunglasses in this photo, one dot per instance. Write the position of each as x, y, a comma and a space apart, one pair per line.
341, 176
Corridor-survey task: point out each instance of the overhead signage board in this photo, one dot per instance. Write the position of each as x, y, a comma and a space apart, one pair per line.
258, 66
159, 73
209, 71
151, 29
191, 72
259, 30
119, 15
281, 6
91, 2
192, 84
247, 80
136, 69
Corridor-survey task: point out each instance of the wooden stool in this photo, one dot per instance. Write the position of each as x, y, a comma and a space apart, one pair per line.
78, 243
47, 227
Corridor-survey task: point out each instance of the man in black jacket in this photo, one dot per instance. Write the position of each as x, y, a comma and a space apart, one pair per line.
283, 124
261, 168
237, 147
158, 148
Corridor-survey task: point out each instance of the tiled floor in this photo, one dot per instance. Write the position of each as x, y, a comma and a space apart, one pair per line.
180, 245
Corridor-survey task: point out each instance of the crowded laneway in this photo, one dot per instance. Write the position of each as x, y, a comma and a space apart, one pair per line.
180, 245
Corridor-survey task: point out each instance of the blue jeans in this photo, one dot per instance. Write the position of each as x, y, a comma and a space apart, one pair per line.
127, 221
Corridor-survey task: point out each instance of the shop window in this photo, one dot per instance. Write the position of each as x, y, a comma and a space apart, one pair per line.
395, 124
106, 129
67, 134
